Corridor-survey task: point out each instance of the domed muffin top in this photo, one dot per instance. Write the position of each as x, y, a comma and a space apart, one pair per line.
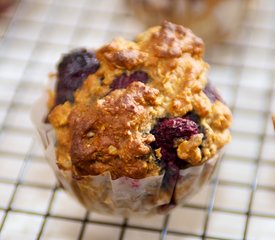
134, 108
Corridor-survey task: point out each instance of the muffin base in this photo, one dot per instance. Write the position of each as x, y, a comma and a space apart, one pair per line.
123, 196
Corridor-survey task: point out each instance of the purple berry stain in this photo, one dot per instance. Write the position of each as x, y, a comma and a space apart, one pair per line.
124, 80
166, 132
73, 69
212, 93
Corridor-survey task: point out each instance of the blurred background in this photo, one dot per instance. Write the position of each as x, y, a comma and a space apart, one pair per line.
239, 203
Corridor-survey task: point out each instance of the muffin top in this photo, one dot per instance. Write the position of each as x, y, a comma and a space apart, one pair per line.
134, 108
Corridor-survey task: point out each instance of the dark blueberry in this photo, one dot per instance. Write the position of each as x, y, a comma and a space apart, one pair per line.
73, 69
124, 80
63, 96
169, 130
195, 118
212, 93
166, 132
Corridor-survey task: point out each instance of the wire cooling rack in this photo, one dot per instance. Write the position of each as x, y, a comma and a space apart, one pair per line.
239, 203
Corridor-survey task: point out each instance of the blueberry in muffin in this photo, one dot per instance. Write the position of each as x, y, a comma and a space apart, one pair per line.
74, 68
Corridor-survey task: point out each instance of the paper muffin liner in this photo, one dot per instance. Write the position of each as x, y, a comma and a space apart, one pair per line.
123, 196
209, 19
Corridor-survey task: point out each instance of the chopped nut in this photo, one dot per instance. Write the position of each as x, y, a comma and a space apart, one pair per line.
189, 150
112, 150
149, 138
158, 153
90, 134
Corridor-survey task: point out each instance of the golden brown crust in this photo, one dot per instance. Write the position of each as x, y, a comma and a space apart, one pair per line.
107, 130
115, 128
189, 150
122, 54
58, 117
174, 40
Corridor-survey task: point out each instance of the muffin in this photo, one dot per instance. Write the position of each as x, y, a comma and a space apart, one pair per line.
210, 19
134, 127
4, 4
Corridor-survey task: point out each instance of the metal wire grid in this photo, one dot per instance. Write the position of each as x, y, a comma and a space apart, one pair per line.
238, 202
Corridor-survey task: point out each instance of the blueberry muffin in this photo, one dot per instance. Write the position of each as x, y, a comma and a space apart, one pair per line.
210, 19
137, 111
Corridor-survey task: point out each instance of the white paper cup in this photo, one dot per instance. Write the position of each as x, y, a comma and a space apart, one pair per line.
123, 196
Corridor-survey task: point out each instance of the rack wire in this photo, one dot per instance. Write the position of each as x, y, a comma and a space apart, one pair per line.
239, 203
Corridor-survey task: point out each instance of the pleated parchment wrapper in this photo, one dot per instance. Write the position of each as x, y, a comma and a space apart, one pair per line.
123, 196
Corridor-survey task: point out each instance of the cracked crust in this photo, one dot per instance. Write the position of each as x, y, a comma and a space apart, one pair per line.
106, 130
